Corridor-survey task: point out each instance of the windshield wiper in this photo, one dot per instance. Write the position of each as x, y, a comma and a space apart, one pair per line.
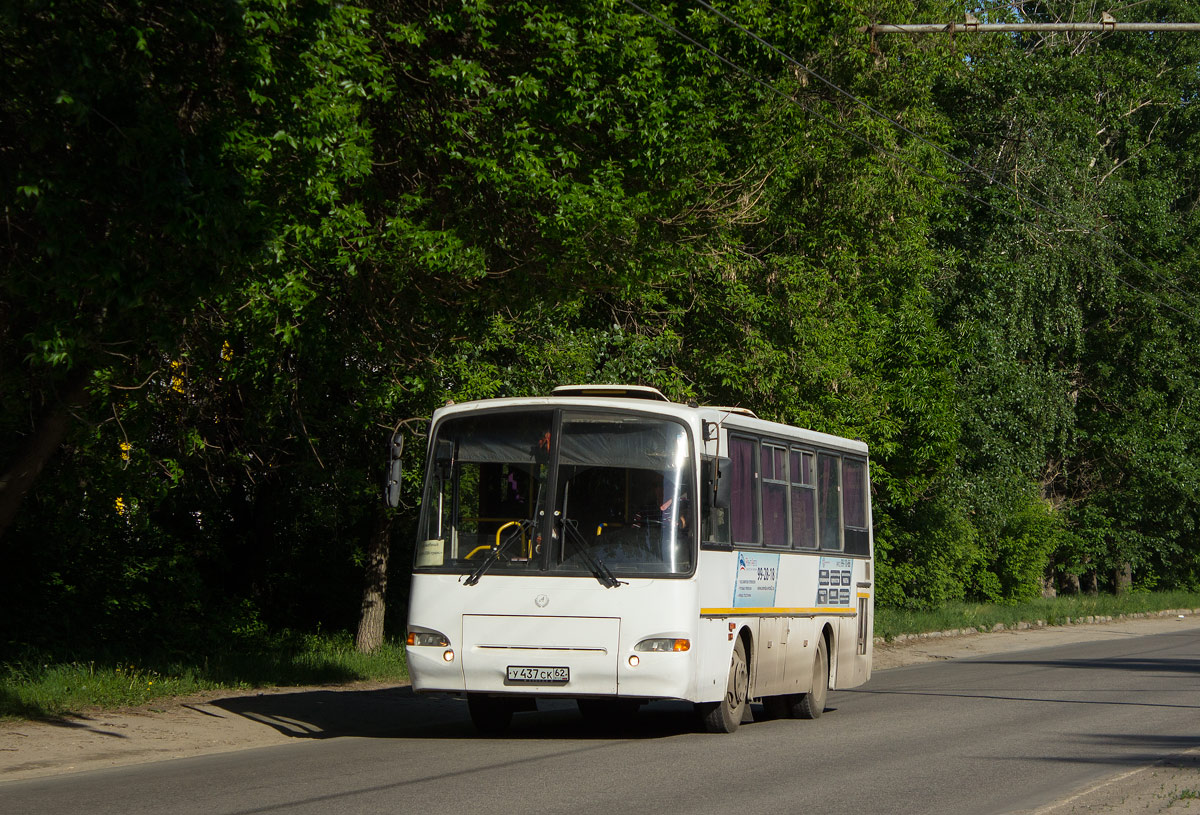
597, 567
494, 555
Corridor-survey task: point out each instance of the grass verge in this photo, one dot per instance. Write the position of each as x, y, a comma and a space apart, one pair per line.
891, 622
37, 686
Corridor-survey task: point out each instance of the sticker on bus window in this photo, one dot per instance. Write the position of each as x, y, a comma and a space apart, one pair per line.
834, 576
431, 552
757, 574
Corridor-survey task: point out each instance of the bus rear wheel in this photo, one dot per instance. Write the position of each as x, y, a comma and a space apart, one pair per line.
812, 704
725, 716
491, 715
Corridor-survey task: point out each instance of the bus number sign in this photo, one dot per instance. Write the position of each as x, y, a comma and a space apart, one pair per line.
538, 675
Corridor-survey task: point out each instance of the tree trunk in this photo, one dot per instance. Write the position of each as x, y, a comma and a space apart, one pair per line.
39, 449
1049, 586
370, 621
1050, 580
1122, 578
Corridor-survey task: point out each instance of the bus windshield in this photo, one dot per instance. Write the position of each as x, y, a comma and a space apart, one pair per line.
565, 492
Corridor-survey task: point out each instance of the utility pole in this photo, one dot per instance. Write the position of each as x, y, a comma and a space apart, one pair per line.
971, 25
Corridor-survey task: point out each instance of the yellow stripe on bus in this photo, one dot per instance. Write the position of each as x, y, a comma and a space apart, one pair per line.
775, 612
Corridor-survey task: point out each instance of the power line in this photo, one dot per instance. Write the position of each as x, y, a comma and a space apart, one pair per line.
896, 156
953, 158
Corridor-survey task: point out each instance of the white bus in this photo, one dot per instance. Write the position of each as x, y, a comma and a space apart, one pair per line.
606, 545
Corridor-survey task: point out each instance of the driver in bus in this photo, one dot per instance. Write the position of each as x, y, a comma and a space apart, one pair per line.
664, 512
669, 514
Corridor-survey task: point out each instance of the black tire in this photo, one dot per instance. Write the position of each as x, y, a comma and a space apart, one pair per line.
812, 704
725, 716
491, 715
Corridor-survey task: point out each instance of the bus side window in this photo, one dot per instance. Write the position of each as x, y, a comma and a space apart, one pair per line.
774, 495
744, 504
715, 500
829, 488
854, 507
804, 500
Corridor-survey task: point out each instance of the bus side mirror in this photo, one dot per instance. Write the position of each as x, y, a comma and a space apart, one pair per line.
395, 469
717, 483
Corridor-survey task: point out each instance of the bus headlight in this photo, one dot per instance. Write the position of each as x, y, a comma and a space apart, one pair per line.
663, 644
433, 638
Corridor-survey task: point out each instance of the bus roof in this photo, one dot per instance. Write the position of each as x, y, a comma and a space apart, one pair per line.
642, 399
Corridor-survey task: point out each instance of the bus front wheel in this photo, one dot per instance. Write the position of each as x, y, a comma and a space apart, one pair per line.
812, 704
725, 716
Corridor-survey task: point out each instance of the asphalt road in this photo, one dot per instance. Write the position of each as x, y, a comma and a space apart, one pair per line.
987, 735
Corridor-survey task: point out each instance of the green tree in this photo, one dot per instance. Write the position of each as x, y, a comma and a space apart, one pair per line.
166, 175
1075, 325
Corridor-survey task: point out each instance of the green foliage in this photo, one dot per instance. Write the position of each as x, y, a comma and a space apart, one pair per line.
930, 557
264, 233
1016, 559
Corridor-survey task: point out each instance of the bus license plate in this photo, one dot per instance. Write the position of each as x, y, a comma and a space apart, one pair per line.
524, 673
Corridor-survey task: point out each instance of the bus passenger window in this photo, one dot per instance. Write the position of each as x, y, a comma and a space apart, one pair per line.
804, 500
774, 496
830, 500
854, 507
744, 495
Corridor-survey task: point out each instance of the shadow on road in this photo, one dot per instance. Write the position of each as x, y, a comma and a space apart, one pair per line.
1127, 750
1000, 696
1139, 664
399, 713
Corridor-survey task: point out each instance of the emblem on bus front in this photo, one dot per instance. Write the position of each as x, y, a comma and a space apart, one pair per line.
542, 600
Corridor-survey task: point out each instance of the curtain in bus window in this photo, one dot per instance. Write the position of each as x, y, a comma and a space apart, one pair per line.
829, 497
854, 507
741, 457
774, 496
804, 501
501, 438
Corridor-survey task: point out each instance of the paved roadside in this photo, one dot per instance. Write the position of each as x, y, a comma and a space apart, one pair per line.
1171, 786
223, 722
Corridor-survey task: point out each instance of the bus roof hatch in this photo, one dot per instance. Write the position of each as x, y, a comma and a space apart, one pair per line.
611, 391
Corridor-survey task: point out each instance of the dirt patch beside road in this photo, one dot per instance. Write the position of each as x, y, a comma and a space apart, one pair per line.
213, 722
222, 721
